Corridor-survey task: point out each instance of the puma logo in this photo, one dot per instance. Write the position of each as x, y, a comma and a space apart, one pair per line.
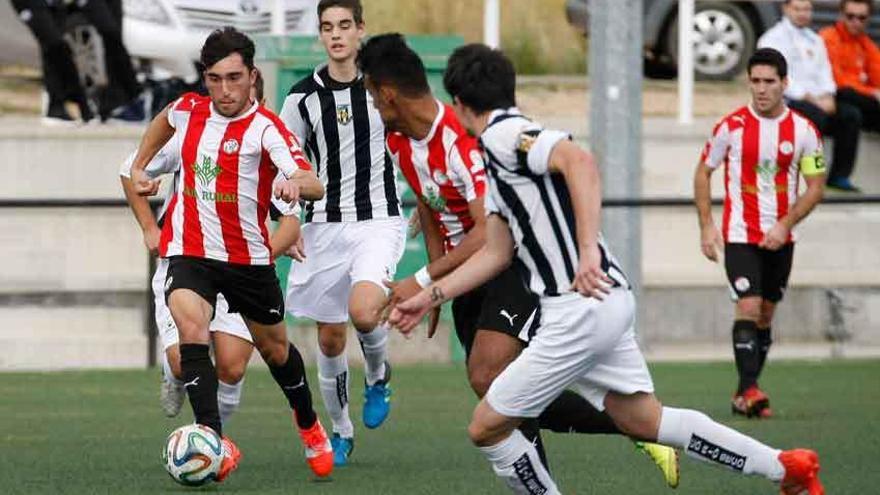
193, 383
298, 385
507, 315
747, 346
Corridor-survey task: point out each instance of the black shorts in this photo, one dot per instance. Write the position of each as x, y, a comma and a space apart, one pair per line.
754, 271
250, 290
504, 304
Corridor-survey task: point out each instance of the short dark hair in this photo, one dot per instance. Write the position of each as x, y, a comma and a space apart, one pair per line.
481, 78
259, 86
387, 59
224, 42
771, 57
869, 3
357, 10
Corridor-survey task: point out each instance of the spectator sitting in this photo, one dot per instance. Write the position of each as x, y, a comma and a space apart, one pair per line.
855, 60
811, 88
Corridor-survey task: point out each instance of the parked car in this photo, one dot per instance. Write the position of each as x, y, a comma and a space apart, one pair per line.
725, 32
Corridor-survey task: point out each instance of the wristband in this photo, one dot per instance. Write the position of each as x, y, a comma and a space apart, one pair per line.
423, 278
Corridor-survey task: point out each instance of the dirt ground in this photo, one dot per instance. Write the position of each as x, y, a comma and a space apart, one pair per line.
537, 95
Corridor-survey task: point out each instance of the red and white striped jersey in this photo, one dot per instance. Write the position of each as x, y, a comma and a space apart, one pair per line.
228, 165
445, 170
762, 161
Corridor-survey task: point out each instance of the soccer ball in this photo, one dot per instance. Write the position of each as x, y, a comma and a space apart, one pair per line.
193, 454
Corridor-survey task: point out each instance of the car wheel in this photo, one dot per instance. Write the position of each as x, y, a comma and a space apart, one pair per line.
87, 49
724, 39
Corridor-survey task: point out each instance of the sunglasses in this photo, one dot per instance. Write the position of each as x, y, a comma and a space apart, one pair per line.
856, 17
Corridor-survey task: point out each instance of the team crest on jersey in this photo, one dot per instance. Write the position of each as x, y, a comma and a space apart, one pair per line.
343, 114
439, 177
432, 198
207, 171
525, 141
230, 146
767, 170
786, 147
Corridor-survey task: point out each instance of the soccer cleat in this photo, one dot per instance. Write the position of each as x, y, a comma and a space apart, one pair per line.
342, 448
666, 458
801, 473
231, 456
319, 451
171, 397
377, 400
751, 403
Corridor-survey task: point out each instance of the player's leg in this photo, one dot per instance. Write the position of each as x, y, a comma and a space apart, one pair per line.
232, 352
333, 380
171, 391
776, 270
744, 266
377, 246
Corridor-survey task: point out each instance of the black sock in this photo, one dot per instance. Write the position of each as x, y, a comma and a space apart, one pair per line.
765, 340
529, 429
571, 413
200, 381
291, 377
746, 351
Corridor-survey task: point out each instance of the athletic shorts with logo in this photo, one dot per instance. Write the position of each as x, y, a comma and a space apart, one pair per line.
582, 344
754, 271
223, 321
339, 255
250, 290
504, 304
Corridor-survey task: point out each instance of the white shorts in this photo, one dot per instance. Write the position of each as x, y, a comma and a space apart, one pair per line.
339, 255
582, 344
224, 321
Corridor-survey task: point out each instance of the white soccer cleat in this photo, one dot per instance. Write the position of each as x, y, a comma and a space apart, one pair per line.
171, 398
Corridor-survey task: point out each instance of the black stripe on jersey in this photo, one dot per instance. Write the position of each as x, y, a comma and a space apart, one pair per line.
334, 169
530, 240
362, 155
390, 187
311, 143
524, 172
557, 230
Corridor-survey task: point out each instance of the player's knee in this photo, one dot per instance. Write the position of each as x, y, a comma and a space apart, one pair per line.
331, 345
478, 434
364, 319
231, 373
481, 378
748, 309
273, 353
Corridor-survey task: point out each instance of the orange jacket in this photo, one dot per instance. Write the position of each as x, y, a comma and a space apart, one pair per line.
855, 61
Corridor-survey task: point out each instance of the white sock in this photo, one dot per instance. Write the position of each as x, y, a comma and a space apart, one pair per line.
516, 461
374, 346
167, 375
333, 379
228, 398
704, 439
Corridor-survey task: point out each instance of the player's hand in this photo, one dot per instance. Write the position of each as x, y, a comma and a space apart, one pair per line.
151, 239
287, 190
433, 320
398, 291
590, 280
414, 226
143, 185
297, 251
405, 315
775, 238
711, 242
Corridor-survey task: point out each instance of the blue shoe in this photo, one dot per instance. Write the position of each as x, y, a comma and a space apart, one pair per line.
842, 184
342, 448
377, 400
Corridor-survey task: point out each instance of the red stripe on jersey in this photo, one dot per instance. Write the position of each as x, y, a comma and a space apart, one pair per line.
749, 180
292, 141
465, 146
725, 216
227, 188
785, 154
167, 228
400, 147
267, 172
193, 241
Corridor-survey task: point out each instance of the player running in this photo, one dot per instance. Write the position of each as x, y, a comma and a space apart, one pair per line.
444, 167
215, 235
544, 202
354, 237
764, 147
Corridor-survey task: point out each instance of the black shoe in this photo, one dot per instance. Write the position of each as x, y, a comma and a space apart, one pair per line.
56, 115
132, 113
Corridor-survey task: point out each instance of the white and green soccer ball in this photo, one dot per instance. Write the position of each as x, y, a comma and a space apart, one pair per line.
193, 454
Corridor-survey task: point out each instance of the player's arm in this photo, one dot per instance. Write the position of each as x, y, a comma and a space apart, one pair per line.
157, 134
430, 232
488, 262
812, 166
710, 236
301, 181
285, 236
584, 186
140, 207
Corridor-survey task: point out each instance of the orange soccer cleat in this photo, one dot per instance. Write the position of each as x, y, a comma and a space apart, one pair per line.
752, 403
230, 459
319, 452
801, 473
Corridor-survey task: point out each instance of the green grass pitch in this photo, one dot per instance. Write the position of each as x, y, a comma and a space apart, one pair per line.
102, 432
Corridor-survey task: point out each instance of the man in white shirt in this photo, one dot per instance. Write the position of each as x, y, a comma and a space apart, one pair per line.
811, 89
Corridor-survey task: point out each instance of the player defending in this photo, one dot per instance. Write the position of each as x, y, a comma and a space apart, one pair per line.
544, 204
354, 237
443, 166
215, 232
764, 147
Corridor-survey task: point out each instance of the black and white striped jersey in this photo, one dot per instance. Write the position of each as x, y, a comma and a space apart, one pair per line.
344, 138
535, 203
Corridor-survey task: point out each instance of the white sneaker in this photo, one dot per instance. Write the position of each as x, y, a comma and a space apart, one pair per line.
171, 397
